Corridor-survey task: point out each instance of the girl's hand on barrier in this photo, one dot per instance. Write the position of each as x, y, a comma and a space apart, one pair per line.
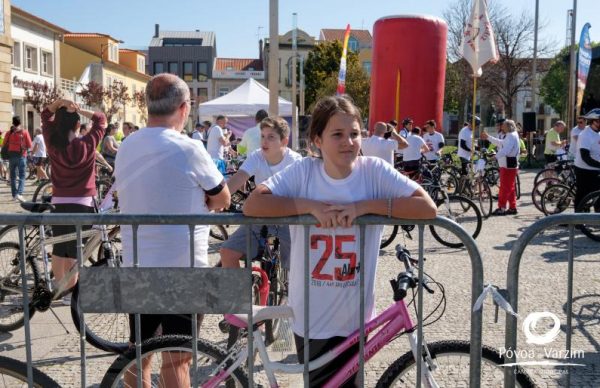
345, 214
326, 218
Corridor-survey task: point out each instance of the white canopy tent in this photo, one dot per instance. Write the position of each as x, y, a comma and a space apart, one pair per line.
245, 100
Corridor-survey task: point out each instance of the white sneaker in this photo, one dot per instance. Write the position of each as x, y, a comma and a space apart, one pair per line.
19, 198
66, 300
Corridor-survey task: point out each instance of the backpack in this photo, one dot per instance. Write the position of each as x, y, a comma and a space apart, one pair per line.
10, 148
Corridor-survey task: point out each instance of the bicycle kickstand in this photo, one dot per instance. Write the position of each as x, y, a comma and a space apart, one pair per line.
59, 320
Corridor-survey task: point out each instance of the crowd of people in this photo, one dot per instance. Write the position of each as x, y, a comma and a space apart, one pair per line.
344, 177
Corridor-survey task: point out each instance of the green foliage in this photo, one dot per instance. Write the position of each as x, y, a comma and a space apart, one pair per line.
321, 72
555, 83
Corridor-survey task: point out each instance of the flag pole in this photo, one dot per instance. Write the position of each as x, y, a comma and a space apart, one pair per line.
473, 117
398, 96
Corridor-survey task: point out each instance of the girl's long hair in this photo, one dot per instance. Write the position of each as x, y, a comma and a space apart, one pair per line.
64, 123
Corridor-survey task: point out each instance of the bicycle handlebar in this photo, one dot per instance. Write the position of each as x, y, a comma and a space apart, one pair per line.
407, 279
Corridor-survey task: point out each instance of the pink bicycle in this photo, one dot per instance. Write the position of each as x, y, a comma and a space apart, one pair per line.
445, 363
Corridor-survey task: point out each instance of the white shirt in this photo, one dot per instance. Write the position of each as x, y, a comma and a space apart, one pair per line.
433, 143
380, 147
197, 135
41, 151
213, 145
160, 171
404, 133
588, 140
573, 141
334, 285
251, 139
508, 145
256, 165
413, 151
465, 134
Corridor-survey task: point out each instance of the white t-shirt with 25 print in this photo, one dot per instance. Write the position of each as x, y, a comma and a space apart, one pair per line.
256, 165
334, 253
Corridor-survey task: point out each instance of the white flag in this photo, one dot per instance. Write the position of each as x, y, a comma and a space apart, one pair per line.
478, 44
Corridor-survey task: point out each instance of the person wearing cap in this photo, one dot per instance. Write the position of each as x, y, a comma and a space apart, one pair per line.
553, 143
377, 145
465, 144
587, 160
575, 131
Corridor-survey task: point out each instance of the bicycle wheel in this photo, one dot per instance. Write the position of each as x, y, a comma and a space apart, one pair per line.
464, 212
10, 233
518, 185
13, 373
43, 191
210, 361
482, 194
278, 294
492, 176
107, 332
590, 204
538, 191
388, 235
452, 360
12, 313
545, 174
556, 199
218, 232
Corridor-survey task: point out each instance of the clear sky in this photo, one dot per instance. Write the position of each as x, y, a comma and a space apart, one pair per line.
238, 23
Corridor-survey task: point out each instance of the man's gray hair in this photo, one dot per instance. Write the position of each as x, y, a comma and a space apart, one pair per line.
165, 93
510, 125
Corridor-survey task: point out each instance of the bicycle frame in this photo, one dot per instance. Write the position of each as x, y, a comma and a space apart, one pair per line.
396, 319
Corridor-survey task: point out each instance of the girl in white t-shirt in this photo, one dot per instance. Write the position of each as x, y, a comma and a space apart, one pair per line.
335, 188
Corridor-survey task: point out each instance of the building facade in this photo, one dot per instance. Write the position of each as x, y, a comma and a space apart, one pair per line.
229, 73
35, 59
6, 44
360, 42
189, 55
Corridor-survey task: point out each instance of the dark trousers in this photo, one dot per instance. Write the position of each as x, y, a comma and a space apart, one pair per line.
587, 182
318, 347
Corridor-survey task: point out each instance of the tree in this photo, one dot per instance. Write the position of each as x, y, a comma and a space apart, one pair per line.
110, 100
40, 95
321, 71
139, 100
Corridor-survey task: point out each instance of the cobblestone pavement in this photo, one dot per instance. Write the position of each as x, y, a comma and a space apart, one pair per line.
543, 288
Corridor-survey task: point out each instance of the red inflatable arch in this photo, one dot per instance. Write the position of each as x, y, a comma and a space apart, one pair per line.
408, 69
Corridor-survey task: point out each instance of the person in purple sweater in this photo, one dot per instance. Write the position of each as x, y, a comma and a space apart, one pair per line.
72, 160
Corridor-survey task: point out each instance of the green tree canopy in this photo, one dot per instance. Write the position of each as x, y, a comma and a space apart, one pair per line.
321, 71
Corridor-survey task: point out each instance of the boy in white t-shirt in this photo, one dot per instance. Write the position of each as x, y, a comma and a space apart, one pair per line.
377, 145
434, 141
412, 154
335, 188
272, 156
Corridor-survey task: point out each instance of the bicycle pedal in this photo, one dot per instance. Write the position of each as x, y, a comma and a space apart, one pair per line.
41, 298
224, 326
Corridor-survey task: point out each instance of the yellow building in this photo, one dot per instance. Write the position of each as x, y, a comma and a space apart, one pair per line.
6, 44
97, 57
360, 42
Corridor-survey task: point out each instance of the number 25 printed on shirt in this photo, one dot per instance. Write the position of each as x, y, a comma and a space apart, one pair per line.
334, 244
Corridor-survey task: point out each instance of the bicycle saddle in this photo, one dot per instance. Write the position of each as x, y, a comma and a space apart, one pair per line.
37, 207
259, 314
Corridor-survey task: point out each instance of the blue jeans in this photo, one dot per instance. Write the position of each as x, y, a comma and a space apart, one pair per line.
14, 163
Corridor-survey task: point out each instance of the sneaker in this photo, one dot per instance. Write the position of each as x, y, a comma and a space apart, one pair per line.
19, 198
499, 212
66, 300
511, 211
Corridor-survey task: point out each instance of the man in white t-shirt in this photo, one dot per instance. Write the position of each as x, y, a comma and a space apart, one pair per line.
587, 160
38, 152
412, 154
465, 144
581, 123
272, 157
160, 171
217, 139
377, 145
434, 141
198, 133
251, 138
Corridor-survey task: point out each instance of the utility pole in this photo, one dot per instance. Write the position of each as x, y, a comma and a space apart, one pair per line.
302, 85
571, 103
273, 57
533, 82
294, 103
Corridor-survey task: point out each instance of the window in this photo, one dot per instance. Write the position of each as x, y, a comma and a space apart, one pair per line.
367, 67
16, 55
31, 58
202, 71
202, 95
159, 67
173, 68
353, 44
188, 71
109, 80
141, 64
47, 63
113, 52
223, 91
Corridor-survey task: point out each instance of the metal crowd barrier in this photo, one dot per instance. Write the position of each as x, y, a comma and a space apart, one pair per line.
236, 283
512, 281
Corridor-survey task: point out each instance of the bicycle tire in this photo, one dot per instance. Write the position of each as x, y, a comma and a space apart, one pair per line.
44, 189
538, 191
278, 295
218, 232
10, 233
518, 185
18, 370
545, 174
492, 176
464, 212
556, 199
388, 239
174, 343
587, 206
402, 372
11, 278
107, 332
484, 197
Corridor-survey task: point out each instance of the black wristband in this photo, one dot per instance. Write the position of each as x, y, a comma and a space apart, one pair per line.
216, 190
